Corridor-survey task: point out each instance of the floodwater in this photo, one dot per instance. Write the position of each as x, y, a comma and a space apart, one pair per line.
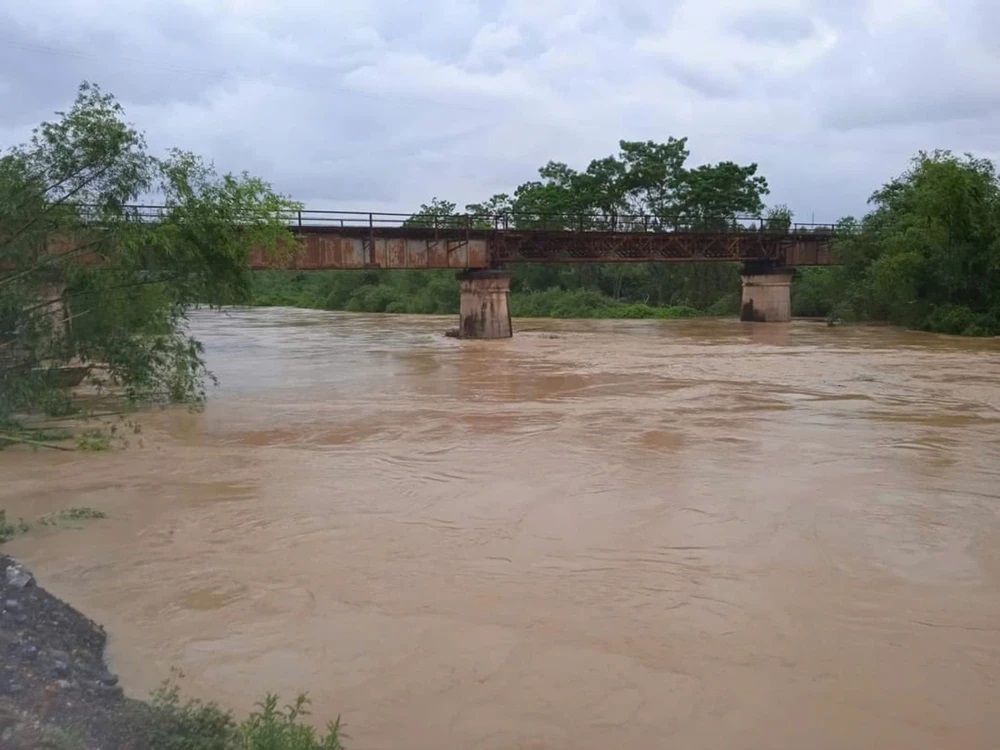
636, 534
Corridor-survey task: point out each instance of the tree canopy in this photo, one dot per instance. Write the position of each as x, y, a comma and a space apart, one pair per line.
645, 182
928, 253
88, 280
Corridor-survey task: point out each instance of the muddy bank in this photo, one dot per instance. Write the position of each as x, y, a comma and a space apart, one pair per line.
55, 688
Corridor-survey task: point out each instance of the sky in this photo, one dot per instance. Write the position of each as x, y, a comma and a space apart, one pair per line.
383, 104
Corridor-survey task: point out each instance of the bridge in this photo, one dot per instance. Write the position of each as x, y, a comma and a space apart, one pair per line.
480, 247
355, 240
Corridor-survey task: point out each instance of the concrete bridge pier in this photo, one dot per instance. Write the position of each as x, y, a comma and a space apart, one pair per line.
767, 293
484, 312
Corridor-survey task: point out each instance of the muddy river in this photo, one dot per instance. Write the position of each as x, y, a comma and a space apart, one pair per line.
635, 534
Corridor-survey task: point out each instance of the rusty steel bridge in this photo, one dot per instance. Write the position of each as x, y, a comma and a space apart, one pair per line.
335, 240
360, 240
480, 247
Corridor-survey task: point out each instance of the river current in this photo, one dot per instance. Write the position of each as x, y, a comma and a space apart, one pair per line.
627, 534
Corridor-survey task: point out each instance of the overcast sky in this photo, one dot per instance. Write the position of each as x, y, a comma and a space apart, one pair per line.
382, 104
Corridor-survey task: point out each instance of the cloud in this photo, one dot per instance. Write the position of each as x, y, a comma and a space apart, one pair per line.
773, 27
382, 104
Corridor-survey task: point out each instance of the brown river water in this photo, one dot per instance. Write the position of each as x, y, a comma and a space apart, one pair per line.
632, 534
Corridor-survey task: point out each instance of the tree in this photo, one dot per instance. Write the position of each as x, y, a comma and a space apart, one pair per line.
493, 213
644, 187
778, 218
89, 280
713, 196
928, 254
438, 214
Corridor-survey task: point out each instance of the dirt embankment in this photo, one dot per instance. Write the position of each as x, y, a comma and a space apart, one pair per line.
56, 692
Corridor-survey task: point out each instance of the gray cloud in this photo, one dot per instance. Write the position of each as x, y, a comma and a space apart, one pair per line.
382, 104
773, 26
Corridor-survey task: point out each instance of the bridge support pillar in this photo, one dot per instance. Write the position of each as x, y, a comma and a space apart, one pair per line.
484, 312
767, 294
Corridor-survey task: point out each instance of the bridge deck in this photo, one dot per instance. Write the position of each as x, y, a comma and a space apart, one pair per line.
355, 240
330, 247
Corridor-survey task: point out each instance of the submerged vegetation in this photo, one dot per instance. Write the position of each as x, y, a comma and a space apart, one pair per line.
64, 517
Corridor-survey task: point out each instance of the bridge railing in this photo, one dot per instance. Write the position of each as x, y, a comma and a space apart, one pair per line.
518, 221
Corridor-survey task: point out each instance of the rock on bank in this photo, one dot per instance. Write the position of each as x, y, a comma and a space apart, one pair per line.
55, 689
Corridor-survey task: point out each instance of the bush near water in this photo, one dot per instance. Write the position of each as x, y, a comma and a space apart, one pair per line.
437, 293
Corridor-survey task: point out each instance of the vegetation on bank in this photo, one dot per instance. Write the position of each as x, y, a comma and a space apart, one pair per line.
927, 255
120, 324
536, 292
171, 724
63, 205
56, 691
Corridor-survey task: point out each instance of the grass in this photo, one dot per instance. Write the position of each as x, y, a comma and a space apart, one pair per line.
94, 440
103, 438
10, 530
68, 517
167, 723
198, 725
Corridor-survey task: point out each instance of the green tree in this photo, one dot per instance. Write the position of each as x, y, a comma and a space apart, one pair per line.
493, 213
645, 186
86, 280
714, 195
438, 214
928, 254
778, 218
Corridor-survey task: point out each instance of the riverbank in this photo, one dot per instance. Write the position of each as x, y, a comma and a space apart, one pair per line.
55, 689
559, 294
57, 693
643, 291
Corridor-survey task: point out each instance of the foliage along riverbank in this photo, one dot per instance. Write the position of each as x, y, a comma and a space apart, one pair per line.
120, 323
535, 293
692, 292
121, 320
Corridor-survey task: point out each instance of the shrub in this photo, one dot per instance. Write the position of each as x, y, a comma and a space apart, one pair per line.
10, 530
197, 725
